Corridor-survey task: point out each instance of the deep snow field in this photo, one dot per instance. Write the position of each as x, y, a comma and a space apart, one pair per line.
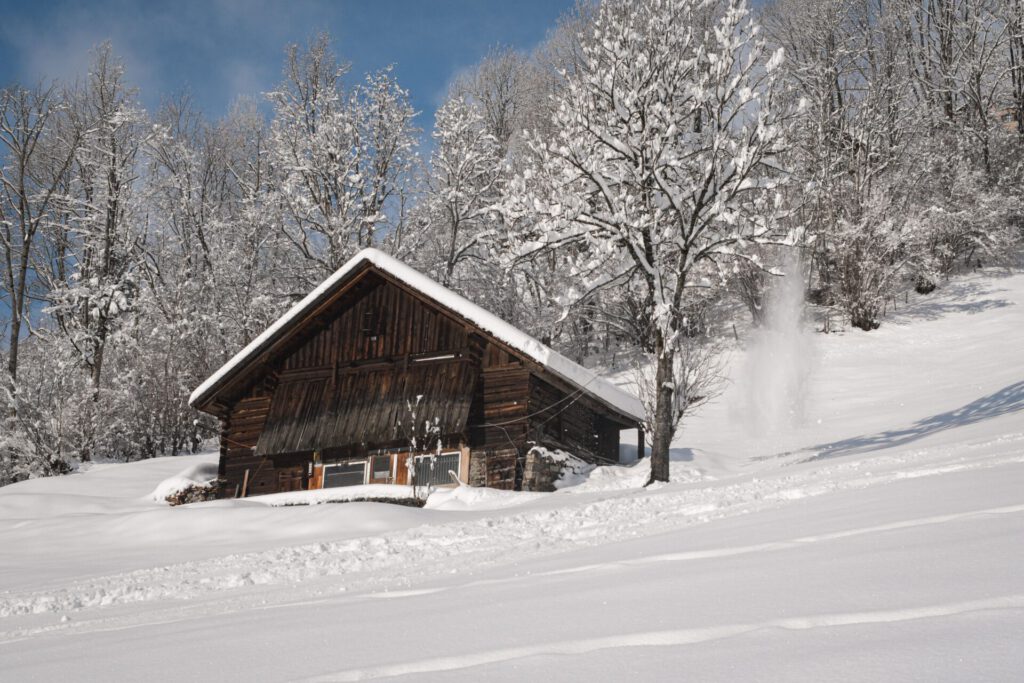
881, 537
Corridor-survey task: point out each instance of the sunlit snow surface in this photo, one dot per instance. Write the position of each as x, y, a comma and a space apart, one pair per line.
881, 538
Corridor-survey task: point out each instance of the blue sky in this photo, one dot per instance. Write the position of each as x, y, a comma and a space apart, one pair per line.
220, 49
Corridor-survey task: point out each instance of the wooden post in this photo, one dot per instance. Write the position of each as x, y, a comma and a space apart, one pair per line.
640, 443
245, 483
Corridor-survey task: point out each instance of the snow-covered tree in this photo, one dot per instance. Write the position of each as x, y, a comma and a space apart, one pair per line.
34, 164
662, 168
342, 157
103, 232
466, 170
895, 148
262, 278
1012, 12
501, 88
33, 170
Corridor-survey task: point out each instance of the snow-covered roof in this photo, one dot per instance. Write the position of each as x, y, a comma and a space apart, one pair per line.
592, 384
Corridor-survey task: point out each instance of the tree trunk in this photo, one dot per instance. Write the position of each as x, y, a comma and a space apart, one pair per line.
12, 347
96, 371
662, 423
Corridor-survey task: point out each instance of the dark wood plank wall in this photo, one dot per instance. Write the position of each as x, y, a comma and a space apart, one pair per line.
504, 394
498, 418
342, 385
347, 380
573, 423
239, 434
370, 407
382, 321
352, 380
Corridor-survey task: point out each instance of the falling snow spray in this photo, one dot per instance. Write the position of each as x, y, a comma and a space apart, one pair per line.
772, 381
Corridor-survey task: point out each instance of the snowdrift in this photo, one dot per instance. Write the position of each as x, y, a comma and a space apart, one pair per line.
878, 538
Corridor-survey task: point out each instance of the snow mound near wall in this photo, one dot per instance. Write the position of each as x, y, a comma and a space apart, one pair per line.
201, 474
478, 498
682, 469
574, 470
342, 494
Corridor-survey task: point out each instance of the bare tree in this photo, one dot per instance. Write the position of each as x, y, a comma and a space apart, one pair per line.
33, 174
466, 170
34, 162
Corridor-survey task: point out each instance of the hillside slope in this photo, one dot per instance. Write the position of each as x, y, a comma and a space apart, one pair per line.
880, 537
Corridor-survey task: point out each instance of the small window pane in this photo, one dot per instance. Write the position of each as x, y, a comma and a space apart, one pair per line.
381, 466
344, 474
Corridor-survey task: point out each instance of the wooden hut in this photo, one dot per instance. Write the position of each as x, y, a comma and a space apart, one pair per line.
381, 375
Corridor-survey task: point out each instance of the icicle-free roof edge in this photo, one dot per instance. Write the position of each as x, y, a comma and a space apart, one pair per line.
591, 383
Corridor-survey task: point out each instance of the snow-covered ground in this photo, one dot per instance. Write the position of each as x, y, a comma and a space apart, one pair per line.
881, 538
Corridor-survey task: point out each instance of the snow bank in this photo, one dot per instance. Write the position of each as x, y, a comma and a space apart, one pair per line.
633, 476
344, 494
478, 498
201, 474
574, 470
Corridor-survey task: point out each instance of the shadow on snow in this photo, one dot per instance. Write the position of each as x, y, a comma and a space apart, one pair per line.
1009, 399
628, 453
949, 299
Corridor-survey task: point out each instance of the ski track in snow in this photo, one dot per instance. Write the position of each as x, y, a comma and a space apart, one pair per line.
384, 562
796, 542
678, 637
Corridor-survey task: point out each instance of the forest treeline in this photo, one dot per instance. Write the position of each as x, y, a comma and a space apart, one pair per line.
624, 185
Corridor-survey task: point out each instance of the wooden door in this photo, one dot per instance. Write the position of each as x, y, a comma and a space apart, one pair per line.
290, 479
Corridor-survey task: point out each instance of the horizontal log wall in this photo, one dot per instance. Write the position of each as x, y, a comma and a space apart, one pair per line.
238, 436
498, 418
493, 467
241, 469
505, 397
267, 474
